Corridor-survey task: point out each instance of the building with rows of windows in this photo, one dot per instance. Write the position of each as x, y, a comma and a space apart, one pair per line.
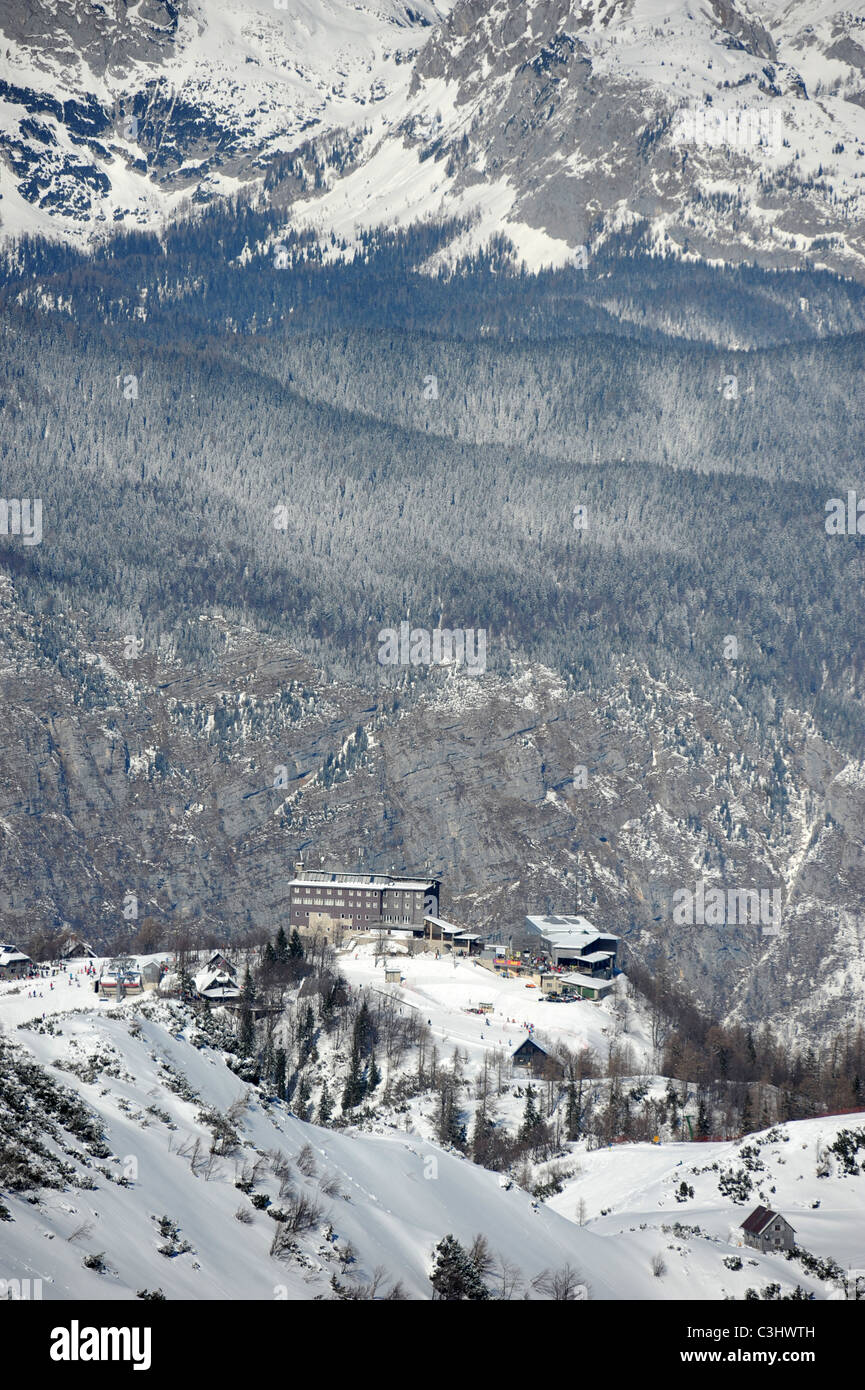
360, 901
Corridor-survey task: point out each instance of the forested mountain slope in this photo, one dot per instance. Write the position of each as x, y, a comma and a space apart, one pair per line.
247, 481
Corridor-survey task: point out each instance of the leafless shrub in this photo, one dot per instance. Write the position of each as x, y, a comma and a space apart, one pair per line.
244, 1178
84, 1229
357, 1291
238, 1108
306, 1161
659, 1267
510, 1279
244, 1216
302, 1214
282, 1169
347, 1255
330, 1185
523, 1174
481, 1257
191, 1149
560, 1285
282, 1245
211, 1168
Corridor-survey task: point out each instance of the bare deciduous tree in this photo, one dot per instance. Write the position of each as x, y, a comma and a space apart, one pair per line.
563, 1285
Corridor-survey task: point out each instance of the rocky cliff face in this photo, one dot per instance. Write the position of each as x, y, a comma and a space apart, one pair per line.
111, 113
134, 789
97, 39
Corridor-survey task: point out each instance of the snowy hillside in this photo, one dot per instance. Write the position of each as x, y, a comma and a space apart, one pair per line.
443, 990
170, 1173
790, 1168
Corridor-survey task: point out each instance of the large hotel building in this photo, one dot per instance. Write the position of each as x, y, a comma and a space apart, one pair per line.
367, 901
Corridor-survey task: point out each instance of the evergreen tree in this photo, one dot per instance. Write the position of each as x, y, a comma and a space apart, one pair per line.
480, 1145
373, 1075
279, 1065
531, 1117
572, 1115
304, 1091
449, 1127
354, 1088
703, 1127
186, 984
325, 1105
454, 1277
364, 1032
245, 1019
747, 1122
295, 947
281, 950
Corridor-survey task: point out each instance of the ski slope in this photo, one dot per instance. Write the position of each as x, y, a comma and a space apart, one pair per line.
443, 989
151, 1076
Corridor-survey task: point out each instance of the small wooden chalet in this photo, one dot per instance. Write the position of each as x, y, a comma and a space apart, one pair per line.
533, 1060
217, 982
13, 963
765, 1230
76, 948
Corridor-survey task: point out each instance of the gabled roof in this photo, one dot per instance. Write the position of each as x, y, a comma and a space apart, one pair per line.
760, 1218
217, 958
10, 955
532, 1045
76, 946
220, 991
207, 980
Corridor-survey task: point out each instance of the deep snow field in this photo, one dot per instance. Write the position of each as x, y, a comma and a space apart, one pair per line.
148, 1072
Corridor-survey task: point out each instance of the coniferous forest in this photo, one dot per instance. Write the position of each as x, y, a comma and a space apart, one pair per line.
573, 461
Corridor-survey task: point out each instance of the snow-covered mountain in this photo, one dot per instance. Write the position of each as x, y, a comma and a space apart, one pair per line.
735, 131
115, 116
731, 133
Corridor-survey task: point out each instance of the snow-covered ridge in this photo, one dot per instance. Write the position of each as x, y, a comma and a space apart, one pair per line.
734, 130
